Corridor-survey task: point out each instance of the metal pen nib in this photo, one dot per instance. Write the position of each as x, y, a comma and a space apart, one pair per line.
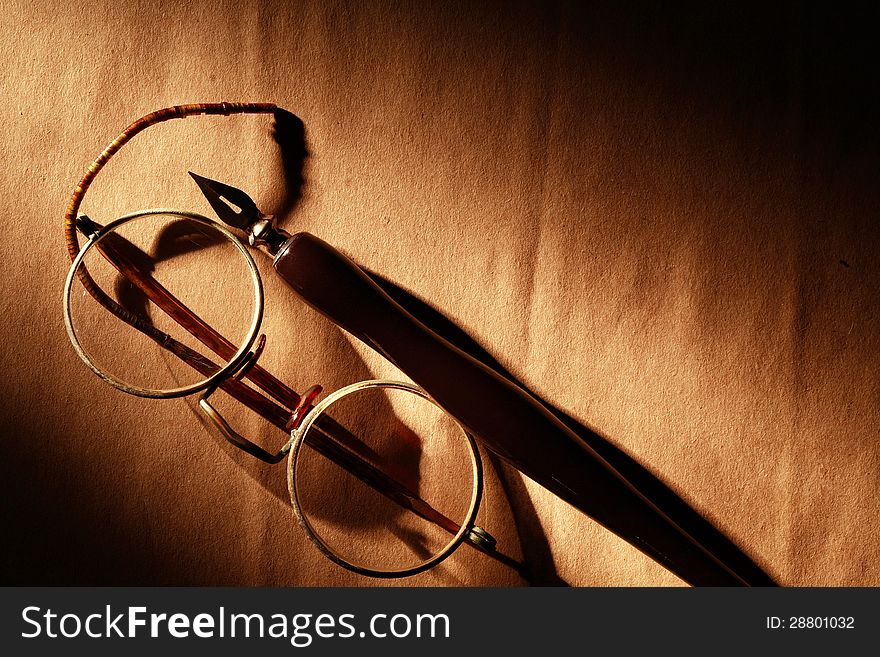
238, 210
232, 205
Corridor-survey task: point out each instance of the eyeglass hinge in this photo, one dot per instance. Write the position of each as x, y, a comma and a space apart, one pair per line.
481, 539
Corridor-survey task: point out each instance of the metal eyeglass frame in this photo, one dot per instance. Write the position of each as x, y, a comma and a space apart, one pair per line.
303, 417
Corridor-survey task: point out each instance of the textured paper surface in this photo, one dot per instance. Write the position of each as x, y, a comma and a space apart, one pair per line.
664, 224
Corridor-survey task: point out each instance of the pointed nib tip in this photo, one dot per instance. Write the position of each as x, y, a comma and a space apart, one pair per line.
201, 181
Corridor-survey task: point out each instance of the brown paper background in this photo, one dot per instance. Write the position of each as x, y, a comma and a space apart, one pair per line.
665, 223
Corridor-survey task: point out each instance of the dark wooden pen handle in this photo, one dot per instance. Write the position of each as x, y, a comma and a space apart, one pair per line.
506, 419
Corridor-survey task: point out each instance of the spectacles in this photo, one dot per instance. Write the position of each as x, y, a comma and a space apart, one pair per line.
386, 526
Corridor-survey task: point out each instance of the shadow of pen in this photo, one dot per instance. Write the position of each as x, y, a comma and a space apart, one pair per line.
653, 488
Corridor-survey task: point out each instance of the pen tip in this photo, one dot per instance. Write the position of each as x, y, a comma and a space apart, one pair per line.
199, 179
208, 187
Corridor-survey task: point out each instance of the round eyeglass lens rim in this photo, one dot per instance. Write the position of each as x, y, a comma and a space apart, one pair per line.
296, 443
231, 366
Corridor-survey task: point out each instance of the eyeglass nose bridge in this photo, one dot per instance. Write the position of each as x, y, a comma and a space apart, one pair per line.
235, 438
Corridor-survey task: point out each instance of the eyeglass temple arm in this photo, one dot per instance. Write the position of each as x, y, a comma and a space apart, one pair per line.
76, 199
116, 250
119, 252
